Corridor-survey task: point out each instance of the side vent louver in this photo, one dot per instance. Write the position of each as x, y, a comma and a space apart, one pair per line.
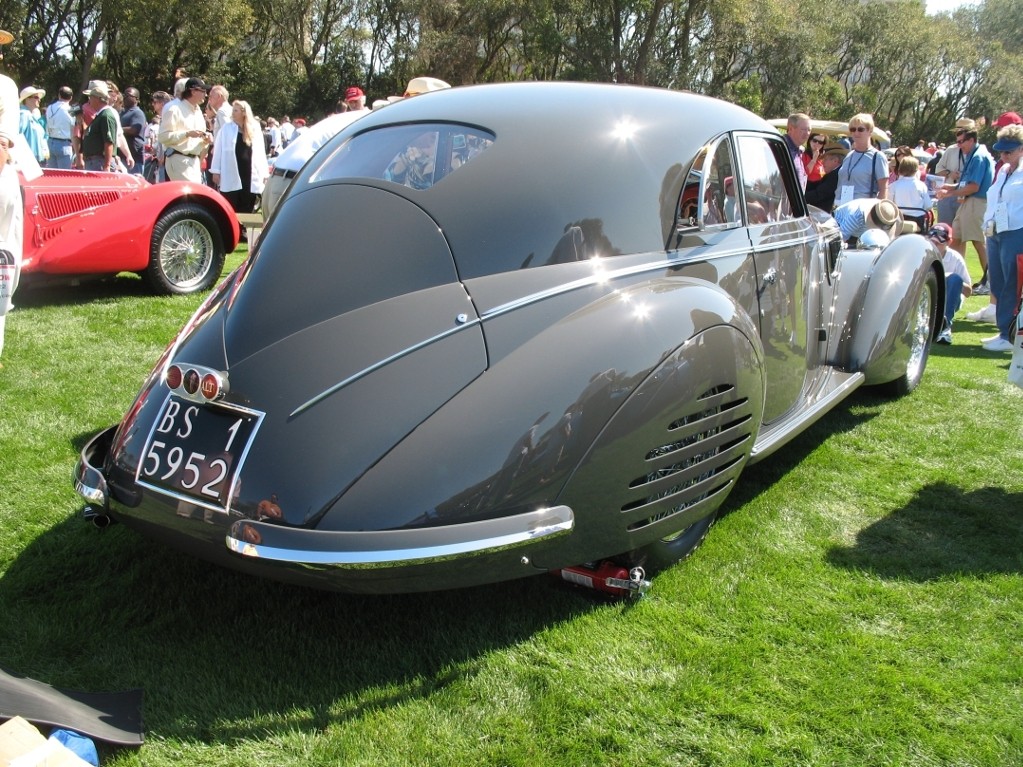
57, 205
699, 458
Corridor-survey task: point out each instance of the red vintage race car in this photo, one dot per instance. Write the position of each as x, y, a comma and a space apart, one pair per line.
81, 223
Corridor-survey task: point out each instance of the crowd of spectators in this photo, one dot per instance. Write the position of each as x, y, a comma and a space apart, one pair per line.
956, 195
195, 133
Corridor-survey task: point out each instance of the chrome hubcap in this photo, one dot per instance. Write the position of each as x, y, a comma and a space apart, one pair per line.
920, 328
186, 253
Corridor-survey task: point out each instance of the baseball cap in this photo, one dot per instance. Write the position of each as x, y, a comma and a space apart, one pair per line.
940, 232
1007, 118
196, 83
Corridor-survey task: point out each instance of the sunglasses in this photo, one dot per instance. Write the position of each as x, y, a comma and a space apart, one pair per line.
817, 141
857, 128
938, 234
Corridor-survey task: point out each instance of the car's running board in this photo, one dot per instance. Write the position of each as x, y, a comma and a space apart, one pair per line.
838, 386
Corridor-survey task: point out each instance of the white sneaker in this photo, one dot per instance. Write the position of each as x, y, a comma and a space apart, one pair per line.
998, 345
990, 339
987, 314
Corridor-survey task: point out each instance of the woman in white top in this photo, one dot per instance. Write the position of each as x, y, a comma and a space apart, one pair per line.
1003, 223
239, 165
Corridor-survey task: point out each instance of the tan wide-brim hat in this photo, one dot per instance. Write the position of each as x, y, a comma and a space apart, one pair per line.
420, 85
887, 217
6, 37
836, 149
965, 123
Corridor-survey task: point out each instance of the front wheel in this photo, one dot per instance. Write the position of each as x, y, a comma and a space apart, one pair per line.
921, 331
186, 254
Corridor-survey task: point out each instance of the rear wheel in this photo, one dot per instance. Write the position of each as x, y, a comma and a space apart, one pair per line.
186, 254
921, 329
672, 549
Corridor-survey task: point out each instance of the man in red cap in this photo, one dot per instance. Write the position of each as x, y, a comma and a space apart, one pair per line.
1007, 118
355, 99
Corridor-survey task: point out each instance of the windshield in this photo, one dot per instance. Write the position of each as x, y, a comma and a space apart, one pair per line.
416, 156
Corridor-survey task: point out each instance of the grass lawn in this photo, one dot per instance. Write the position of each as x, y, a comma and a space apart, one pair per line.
860, 603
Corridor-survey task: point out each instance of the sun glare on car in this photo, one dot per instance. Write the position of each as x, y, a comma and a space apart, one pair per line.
625, 129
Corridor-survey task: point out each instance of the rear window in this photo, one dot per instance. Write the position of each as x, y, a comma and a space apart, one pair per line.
416, 156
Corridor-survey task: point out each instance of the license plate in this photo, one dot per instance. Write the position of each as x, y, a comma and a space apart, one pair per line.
195, 452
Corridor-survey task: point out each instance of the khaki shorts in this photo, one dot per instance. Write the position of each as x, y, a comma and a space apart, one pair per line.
183, 167
969, 221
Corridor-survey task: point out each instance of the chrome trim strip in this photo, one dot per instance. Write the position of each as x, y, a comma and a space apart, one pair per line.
595, 279
770, 440
397, 548
379, 364
542, 295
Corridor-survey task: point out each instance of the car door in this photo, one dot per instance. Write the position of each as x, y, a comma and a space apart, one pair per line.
784, 241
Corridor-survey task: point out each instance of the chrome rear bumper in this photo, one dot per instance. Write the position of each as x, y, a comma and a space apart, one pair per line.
88, 478
395, 548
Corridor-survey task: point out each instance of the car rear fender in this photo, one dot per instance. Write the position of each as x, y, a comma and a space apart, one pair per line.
876, 293
514, 436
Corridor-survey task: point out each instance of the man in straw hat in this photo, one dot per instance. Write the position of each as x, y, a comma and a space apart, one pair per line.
821, 193
970, 192
857, 217
420, 85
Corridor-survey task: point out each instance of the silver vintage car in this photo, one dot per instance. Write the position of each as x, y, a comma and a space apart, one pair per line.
502, 330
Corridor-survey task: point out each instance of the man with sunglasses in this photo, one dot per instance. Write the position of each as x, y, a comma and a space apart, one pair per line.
950, 167
970, 192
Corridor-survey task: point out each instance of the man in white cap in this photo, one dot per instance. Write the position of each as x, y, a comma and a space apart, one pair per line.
100, 139
416, 87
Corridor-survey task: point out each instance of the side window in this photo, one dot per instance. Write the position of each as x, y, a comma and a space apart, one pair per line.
720, 202
766, 193
708, 196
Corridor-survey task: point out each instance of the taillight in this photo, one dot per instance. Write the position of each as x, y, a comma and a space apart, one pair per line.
210, 386
195, 382
174, 376
191, 383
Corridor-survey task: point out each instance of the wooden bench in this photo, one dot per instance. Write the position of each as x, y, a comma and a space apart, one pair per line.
253, 223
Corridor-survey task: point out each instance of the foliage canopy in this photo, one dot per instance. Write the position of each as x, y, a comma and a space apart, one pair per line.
916, 73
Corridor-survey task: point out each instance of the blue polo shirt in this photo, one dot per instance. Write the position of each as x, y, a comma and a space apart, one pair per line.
979, 169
